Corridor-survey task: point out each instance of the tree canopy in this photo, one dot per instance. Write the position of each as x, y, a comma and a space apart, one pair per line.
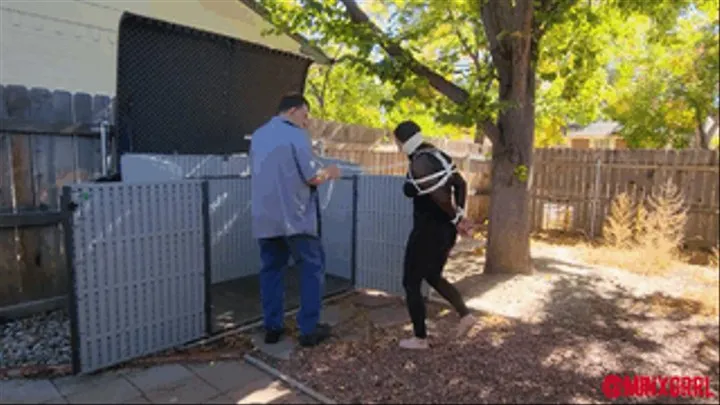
515, 71
610, 59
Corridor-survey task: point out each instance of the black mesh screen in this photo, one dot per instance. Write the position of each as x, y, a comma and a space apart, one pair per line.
181, 90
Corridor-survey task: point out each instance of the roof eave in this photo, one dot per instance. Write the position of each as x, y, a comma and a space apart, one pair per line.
317, 55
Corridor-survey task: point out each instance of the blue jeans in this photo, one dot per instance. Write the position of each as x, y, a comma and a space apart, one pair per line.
309, 257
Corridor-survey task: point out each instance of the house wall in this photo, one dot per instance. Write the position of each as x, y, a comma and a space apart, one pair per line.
72, 45
580, 143
620, 144
598, 143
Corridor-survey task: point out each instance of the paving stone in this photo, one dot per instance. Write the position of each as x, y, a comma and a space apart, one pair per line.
188, 391
115, 391
27, 391
157, 377
221, 399
57, 400
137, 400
72, 384
336, 314
281, 350
294, 398
259, 392
227, 375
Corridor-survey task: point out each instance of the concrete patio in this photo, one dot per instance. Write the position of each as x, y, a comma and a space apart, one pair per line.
227, 382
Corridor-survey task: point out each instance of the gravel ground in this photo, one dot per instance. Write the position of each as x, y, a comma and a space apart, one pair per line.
551, 337
42, 339
33, 347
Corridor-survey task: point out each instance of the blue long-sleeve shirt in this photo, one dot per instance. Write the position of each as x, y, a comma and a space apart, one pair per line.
283, 203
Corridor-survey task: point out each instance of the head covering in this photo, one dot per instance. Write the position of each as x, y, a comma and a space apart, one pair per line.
408, 133
405, 130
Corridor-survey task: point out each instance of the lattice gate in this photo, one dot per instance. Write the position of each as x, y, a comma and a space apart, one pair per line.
384, 221
145, 255
137, 268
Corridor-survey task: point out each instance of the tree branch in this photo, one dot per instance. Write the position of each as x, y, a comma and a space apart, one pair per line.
315, 91
326, 79
456, 94
464, 43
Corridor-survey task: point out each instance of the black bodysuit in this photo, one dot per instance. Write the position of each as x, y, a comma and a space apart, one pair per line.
432, 238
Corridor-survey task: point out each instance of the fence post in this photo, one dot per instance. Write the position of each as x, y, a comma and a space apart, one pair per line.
595, 198
354, 231
104, 125
67, 207
207, 253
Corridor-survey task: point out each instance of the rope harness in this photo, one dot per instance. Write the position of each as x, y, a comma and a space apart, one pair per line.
443, 174
449, 168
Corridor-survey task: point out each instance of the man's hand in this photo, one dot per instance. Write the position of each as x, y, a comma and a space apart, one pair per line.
326, 173
333, 171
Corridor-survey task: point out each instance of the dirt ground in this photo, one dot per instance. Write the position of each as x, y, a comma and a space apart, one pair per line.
549, 337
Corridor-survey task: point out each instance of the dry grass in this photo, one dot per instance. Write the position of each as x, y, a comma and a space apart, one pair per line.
643, 236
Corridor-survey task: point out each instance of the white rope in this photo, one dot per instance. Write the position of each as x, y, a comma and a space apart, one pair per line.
331, 187
331, 184
444, 174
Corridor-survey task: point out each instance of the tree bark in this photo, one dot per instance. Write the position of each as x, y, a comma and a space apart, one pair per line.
479, 136
509, 30
509, 225
702, 134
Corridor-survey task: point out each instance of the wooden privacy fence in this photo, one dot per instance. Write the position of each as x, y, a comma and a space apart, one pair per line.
573, 189
48, 139
384, 159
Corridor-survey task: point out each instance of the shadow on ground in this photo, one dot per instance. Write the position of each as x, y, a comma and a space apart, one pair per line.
585, 328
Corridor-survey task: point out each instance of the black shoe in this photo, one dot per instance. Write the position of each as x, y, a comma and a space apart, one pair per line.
273, 336
322, 332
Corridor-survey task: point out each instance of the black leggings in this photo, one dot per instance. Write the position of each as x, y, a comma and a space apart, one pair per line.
426, 253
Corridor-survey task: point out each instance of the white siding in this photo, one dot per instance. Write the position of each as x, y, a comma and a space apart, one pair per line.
72, 44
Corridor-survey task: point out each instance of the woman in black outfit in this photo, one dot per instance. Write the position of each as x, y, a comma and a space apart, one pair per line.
432, 182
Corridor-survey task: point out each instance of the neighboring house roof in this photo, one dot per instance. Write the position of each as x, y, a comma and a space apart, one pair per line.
72, 45
597, 129
608, 128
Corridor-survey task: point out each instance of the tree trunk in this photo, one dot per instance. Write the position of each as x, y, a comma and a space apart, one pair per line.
480, 136
509, 226
508, 246
701, 140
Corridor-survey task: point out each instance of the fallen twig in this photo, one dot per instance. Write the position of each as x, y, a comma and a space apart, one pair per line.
287, 379
35, 370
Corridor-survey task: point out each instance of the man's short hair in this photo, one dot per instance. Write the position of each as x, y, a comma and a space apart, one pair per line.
292, 100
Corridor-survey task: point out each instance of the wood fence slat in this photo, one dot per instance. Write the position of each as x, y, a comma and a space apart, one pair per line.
567, 178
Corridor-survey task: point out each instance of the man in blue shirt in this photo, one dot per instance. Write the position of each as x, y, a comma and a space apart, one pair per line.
284, 209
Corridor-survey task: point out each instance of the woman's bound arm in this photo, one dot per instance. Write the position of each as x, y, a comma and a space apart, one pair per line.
459, 186
426, 165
